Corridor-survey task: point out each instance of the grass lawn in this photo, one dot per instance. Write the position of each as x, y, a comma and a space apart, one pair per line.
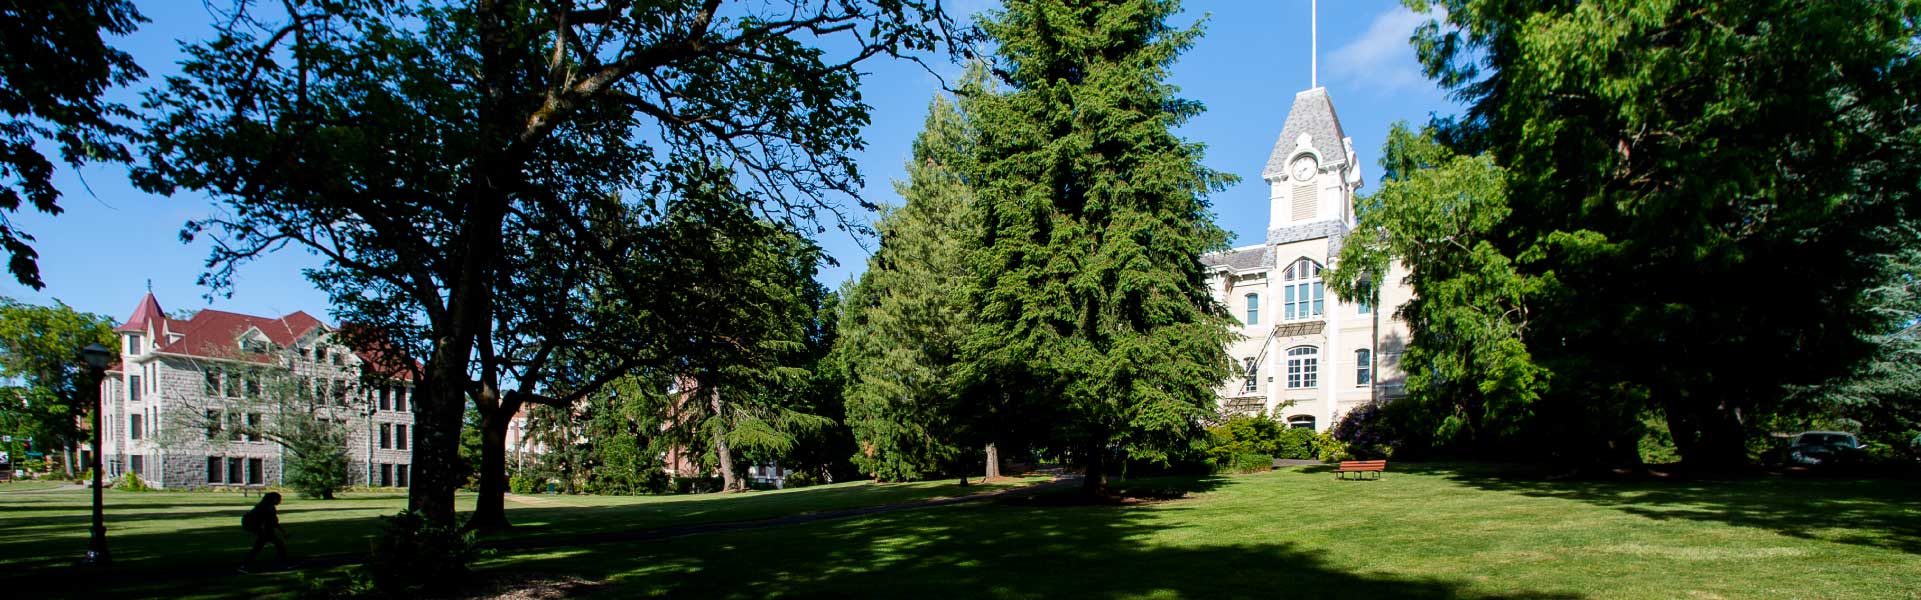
42, 534
1427, 531
31, 485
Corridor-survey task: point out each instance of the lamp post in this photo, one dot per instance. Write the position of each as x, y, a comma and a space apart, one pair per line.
97, 357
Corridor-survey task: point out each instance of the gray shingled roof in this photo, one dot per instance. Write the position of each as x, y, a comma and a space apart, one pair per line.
1312, 114
1238, 260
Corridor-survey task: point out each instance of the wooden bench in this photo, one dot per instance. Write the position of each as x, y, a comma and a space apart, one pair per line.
1360, 468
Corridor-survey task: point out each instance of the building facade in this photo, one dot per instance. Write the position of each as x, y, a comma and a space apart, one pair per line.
1307, 356
197, 403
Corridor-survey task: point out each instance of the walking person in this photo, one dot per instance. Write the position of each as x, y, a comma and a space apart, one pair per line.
263, 522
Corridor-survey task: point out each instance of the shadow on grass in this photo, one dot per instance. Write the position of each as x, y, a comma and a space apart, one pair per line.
1872, 512
1036, 547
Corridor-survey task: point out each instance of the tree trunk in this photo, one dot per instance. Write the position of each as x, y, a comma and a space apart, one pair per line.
490, 509
728, 482
993, 462
1094, 483
437, 472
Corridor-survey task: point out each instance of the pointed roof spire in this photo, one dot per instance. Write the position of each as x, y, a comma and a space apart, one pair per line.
1312, 114
144, 316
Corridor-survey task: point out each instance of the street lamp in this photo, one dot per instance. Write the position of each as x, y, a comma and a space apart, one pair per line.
97, 358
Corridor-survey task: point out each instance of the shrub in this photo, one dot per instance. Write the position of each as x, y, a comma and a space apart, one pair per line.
131, 482
1245, 463
800, 479
1295, 444
523, 484
86, 477
1328, 449
1366, 432
318, 473
412, 558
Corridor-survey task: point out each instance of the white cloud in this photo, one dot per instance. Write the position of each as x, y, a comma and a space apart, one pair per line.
1381, 59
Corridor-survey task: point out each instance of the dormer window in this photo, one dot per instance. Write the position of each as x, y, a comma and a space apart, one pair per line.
1303, 295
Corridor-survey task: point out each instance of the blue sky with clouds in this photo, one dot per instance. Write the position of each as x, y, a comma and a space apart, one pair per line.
101, 253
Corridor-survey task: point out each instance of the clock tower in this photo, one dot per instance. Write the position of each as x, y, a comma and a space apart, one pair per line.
1312, 173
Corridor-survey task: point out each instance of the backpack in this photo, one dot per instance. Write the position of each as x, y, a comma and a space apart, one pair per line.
251, 522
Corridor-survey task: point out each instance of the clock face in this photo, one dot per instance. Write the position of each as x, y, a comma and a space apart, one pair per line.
1303, 167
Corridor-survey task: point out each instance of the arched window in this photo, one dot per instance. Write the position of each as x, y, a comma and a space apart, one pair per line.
1247, 370
1303, 367
1253, 309
1363, 366
1300, 422
1303, 296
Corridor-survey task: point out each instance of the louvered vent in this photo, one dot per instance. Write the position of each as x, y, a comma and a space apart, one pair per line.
1303, 202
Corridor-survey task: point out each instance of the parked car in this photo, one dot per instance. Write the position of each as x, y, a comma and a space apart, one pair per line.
1816, 448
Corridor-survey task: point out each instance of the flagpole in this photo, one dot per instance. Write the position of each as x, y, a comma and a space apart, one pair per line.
1314, 52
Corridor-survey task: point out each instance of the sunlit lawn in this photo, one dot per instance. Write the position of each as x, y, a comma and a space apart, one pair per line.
1438, 532
1423, 531
42, 534
31, 485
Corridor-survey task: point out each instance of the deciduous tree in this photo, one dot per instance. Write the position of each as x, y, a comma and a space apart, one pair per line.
446, 159
55, 69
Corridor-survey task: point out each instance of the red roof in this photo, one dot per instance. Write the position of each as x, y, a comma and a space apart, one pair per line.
144, 316
216, 333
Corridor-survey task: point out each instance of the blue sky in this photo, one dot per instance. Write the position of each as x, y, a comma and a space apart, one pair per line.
100, 254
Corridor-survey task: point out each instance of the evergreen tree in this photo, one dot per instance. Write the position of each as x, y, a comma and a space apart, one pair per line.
750, 294
1088, 291
906, 316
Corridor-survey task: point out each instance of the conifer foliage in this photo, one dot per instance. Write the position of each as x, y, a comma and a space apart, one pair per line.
1089, 293
906, 317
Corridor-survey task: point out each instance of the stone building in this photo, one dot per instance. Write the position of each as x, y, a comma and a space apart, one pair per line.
195, 403
1308, 356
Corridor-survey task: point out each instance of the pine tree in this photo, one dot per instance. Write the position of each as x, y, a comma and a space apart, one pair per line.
906, 317
1089, 294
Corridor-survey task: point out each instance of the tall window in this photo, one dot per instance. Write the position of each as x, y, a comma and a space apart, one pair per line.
400, 475
253, 427
256, 474
233, 471
1247, 369
1253, 309
139, 464
386, 475
133, 344
386, 436
1363, 367
213, 423
213, 469
212, 379
1303, 367
133, 426
133, 388
1367, 298
386, 398
400, 398
400, 437
1303, 295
